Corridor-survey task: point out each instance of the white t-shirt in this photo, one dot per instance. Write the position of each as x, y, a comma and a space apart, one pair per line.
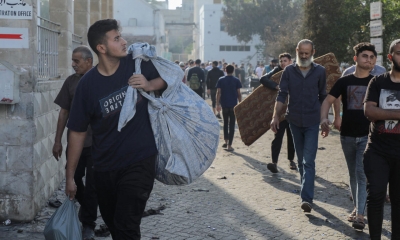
186, 74
259, 71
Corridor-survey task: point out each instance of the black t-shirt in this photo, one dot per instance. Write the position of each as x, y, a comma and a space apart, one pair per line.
384, 135
352, 90
98, 101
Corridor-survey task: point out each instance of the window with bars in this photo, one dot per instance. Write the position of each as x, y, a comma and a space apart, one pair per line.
234, 48
47, 49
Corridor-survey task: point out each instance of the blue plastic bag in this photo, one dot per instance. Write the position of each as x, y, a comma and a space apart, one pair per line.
64, 224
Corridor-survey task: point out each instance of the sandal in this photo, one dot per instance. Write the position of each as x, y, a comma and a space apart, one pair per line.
352, 216
292, 165
359, 224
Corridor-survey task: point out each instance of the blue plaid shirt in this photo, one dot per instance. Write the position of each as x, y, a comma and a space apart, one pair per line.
306, 94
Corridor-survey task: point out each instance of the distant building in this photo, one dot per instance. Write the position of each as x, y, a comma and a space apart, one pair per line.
142, 22
179, 26
214, 43
197, 34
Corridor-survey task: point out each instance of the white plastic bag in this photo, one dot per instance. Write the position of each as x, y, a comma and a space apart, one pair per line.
64, 224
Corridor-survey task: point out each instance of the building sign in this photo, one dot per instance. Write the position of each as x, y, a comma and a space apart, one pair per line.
15, 9
375, 28
14, 37
375, 10
379, 60
378, 42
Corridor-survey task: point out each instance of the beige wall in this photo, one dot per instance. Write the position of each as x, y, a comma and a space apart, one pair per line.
82, 18
95, 11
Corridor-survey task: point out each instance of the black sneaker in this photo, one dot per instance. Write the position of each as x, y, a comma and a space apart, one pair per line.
218, 116
272, 167
306, 207
87, 233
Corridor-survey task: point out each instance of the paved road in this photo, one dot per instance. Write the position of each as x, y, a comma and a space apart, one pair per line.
249, 202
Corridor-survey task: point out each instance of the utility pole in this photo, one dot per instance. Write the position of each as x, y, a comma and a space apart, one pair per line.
376, 29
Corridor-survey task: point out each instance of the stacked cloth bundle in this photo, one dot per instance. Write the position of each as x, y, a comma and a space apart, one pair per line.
185, 129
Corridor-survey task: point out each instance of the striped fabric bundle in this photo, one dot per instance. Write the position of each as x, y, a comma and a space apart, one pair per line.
185, 129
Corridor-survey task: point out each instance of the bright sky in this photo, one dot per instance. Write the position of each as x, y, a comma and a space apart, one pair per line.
174, 3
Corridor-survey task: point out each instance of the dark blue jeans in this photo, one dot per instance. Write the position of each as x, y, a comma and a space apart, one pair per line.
123, 195
306, 144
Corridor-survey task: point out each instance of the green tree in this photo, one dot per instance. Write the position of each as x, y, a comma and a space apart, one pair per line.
391, 23
337, 29
276, 22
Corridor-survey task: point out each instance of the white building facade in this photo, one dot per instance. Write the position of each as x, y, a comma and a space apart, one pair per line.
141, 21
215, 44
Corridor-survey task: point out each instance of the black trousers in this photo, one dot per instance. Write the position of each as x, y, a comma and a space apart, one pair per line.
199, 91
213, 93
276, 144
380, 171
86, 193
123, 195
229, 124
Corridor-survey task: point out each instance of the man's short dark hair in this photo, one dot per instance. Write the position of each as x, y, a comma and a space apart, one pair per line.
97, 32
229, 69
215, 63
286, 55
364, 46
274, 61
85, 52
190, 61
392, 45
202, 64
176, 61
198, 61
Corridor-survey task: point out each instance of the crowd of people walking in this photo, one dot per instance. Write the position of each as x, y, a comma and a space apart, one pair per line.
363, 100
120, 166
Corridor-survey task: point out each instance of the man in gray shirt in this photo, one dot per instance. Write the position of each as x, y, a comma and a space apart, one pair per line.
305, 83
376, 71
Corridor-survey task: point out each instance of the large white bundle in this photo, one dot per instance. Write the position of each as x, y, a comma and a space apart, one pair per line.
185, 129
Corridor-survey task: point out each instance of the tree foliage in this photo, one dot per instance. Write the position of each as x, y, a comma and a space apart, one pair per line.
333, 25
337, 25
276, 22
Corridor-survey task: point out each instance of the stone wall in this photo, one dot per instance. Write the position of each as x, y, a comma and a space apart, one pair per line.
29, 173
